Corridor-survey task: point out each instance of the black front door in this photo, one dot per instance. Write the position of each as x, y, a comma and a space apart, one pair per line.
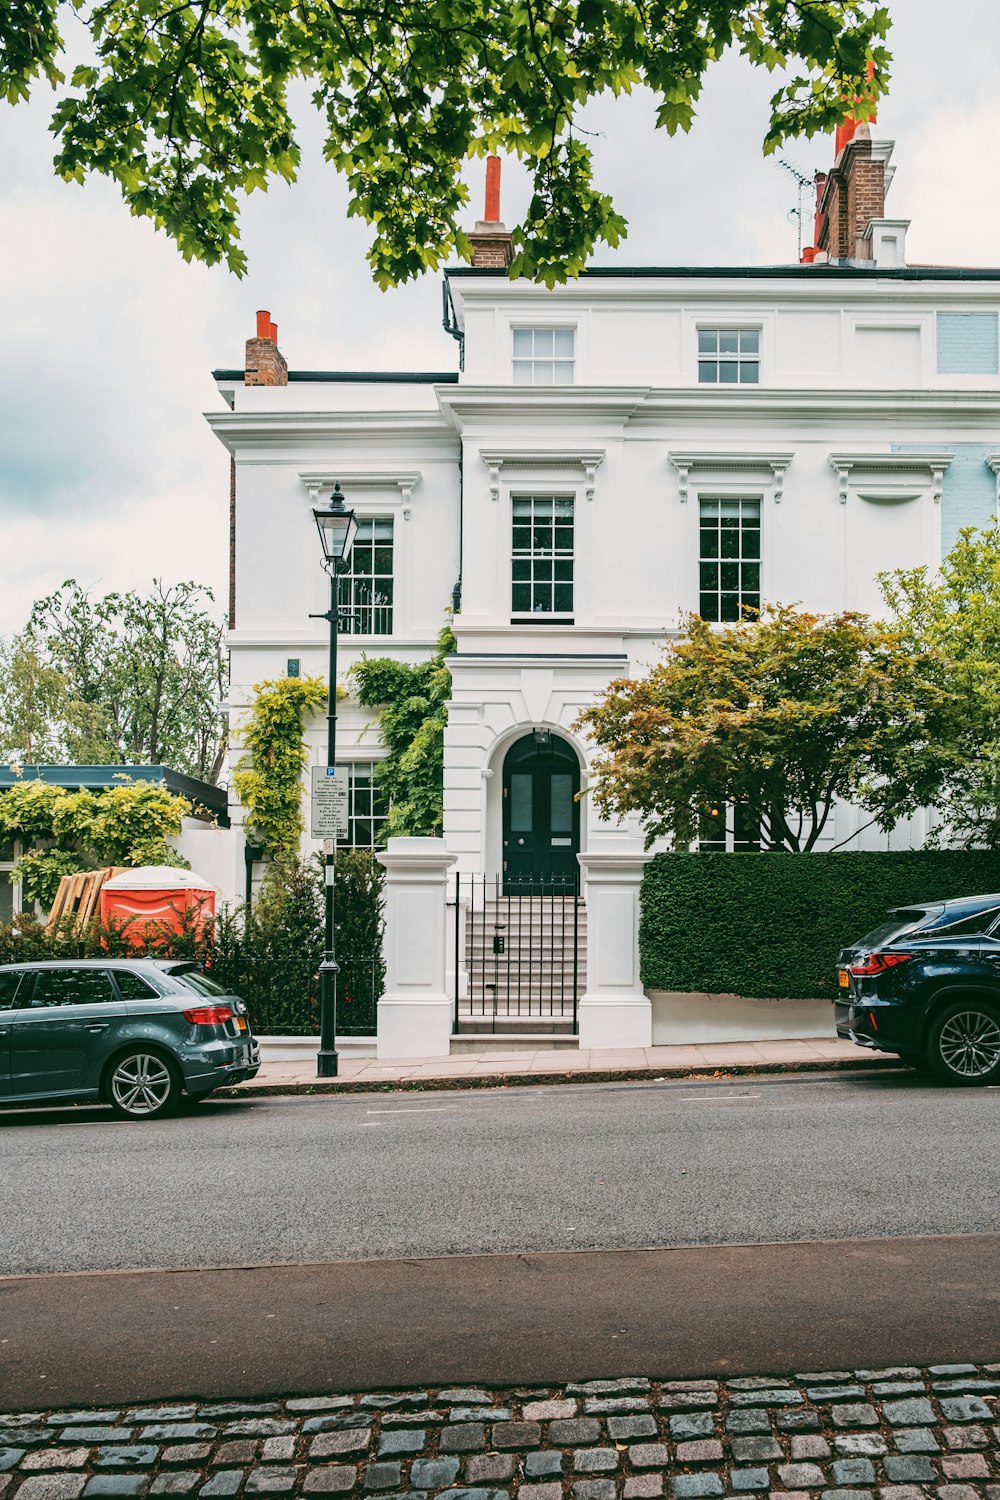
541, 816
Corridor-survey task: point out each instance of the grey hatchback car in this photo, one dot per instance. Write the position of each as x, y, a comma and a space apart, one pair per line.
133, 1033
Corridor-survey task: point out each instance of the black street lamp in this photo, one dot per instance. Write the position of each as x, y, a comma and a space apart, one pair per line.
337, 529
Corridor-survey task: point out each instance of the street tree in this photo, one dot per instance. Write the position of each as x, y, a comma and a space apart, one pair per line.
780, 716
184, 103
951, 620
130, 678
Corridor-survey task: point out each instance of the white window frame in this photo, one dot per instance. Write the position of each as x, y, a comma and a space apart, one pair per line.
352, 767
6, 865
348, 628
529, 615
539, 368
749, 359
730, 499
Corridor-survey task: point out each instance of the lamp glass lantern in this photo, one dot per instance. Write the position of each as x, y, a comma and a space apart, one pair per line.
337, 527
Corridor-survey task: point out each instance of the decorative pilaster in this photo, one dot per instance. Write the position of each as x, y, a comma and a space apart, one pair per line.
615, 1011
415, 1013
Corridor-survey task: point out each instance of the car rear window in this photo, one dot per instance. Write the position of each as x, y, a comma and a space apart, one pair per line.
194, 979
898, 923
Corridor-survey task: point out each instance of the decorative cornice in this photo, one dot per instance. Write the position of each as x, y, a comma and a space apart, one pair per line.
587, 459
720, 462
285, 433
881, 476
993, 462
405, 481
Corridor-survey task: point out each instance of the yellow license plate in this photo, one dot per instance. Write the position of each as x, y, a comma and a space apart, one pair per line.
241, 1024
844, 979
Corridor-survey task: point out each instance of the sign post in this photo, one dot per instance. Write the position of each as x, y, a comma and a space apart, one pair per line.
328, 804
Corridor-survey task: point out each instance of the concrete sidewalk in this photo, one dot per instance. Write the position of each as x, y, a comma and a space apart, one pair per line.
485, 1069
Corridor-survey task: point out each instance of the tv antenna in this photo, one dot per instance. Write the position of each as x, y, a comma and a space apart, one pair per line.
805, 182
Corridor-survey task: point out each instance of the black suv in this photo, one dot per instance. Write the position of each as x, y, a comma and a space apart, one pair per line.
926, 985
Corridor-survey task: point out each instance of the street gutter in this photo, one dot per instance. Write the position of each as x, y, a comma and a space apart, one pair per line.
880, 1063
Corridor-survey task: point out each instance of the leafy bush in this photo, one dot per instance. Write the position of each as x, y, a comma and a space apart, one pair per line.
770, 925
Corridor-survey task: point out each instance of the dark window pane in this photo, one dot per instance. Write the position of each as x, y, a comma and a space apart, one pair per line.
751, 542
193, 979
729, 341
72, 987
708, 341
132, 985
561, 809
8, 988
563, 571
728, 372
708, 575
749, 374
730, 609
709, 541
521, 570
521, 598
520, 802
708, 607
708, 372
730, 575
730, 542
564, 598
750, 341
751, 579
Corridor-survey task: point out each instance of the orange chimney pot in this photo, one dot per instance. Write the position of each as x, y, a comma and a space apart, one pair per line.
492, 214
264, 325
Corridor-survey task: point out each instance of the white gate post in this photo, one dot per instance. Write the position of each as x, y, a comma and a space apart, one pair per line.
415, 1013
615, 1010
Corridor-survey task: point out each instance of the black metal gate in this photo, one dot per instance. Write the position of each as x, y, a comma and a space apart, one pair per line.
519, 955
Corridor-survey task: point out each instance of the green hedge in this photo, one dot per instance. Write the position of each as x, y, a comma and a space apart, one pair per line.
771, 925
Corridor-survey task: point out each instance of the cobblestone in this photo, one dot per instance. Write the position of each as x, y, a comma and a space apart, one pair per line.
891, 1434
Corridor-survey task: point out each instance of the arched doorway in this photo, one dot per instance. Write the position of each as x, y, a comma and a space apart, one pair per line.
541, 816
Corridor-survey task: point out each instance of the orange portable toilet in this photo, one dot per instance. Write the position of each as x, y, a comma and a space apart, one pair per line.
158, 895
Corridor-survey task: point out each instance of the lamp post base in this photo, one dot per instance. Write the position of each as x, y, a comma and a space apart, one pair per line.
327, 1064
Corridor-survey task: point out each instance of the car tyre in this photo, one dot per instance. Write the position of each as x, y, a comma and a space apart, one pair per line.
964, 1043
142, 1084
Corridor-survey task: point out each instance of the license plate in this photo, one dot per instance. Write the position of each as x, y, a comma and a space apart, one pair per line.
241, 1023
843, 979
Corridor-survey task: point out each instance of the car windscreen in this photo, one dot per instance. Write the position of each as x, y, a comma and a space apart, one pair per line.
193, 979
897, 923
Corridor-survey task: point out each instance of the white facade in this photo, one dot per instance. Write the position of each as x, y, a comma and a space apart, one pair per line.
862, 427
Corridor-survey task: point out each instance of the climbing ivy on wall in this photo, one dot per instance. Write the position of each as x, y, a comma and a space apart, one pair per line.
413, 703
268, 779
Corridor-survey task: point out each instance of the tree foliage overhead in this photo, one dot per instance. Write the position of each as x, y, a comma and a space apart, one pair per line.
126, 679
782, 716
184, 103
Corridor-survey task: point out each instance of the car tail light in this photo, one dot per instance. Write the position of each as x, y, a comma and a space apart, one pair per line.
208, 1015
877, 963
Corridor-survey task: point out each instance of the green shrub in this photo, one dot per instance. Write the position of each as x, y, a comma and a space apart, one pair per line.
771, 925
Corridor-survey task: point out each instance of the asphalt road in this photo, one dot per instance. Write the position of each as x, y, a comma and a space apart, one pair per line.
497, 1236
601, 1166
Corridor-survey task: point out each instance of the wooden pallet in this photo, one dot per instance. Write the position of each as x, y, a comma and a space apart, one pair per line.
79, 896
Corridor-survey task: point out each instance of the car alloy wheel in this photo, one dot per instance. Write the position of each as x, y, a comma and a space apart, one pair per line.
142, 1086
968, 1044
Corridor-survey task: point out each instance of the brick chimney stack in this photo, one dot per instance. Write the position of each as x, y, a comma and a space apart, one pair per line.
492, 244
265, 363
852, 196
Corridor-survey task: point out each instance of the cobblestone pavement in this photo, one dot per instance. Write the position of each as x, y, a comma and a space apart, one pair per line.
896, 1434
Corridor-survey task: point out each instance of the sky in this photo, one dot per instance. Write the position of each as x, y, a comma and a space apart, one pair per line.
108, 471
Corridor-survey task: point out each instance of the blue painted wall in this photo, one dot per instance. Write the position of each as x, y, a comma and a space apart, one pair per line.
969, 496
967, 344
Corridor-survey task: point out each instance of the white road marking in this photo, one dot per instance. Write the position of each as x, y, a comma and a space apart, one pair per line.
433, 1109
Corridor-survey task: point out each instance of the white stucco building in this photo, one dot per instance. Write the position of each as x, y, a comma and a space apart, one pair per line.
606, 456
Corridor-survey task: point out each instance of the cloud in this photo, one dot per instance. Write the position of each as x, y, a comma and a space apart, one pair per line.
108, 471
